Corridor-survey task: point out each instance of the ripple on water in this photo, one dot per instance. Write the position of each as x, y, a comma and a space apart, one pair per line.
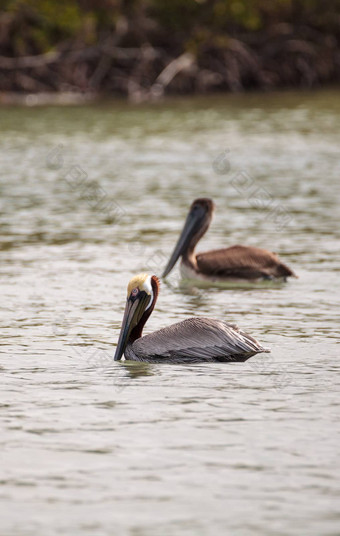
89, 444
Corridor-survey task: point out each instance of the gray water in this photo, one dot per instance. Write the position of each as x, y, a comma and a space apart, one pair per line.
93, 195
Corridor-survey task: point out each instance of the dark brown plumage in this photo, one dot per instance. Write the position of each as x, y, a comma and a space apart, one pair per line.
233, 263
242, 262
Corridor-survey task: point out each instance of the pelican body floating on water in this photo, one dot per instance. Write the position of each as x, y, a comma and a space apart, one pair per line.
193, 340
236, 263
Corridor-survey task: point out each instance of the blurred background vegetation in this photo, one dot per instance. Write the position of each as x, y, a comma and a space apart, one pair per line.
145, 48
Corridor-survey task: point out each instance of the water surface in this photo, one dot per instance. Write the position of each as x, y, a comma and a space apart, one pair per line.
91, 196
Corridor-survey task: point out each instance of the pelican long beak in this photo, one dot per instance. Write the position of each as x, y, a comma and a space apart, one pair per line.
192, 224
134, 310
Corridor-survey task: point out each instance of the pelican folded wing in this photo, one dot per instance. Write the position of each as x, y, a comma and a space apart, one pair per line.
242, 262
196, 340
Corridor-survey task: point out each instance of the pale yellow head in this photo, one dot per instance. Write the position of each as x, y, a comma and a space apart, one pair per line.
142, 282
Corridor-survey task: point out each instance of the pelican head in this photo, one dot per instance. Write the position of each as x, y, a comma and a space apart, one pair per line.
142, 293
196, 224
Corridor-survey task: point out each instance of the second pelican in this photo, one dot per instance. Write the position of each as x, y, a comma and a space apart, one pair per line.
236, 263
193, 340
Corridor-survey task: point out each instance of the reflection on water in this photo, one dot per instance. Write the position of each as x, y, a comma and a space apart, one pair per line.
89, 197
136, 370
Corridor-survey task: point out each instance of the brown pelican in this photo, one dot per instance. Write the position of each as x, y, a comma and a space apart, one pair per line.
236, 263
191, 341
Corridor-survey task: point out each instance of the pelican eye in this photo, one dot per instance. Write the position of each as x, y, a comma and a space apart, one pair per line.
134, 292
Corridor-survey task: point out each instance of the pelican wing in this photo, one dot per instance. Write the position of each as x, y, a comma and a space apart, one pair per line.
197, 339
242, 262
